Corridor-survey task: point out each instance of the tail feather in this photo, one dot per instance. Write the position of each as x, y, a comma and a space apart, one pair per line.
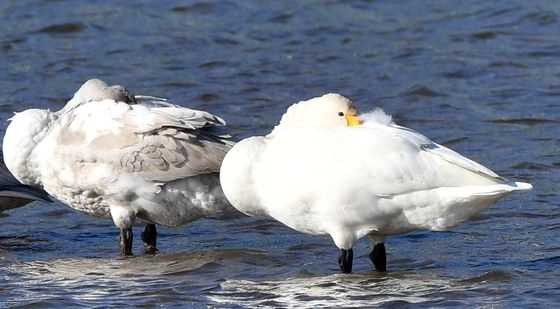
522, 186
494, 190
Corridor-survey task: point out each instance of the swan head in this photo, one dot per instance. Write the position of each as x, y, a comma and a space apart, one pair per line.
328, 111
98, 90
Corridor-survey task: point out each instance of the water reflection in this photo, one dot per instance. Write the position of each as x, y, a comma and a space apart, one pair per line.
194, 277
357, 290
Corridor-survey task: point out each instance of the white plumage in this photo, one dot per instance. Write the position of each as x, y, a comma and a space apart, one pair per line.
13, 194
321, 176
109, 153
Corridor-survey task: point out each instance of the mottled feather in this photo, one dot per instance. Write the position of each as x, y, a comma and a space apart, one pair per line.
162, 143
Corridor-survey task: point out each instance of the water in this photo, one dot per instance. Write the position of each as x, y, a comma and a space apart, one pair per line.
479, 76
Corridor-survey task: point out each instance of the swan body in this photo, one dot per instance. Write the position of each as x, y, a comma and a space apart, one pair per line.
373, 179
112, 154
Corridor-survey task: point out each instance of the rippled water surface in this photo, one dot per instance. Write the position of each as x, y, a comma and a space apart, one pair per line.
482, 77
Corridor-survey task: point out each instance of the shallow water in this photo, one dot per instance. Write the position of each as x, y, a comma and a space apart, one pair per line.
480, 77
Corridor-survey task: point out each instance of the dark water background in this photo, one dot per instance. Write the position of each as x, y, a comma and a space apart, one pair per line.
482, 77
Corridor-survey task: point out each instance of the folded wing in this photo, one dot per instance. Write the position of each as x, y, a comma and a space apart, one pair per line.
154, 139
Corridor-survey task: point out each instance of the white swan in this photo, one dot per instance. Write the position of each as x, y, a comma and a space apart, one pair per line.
323, 170
110, 153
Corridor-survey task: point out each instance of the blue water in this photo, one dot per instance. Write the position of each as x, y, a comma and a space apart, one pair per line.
481, 77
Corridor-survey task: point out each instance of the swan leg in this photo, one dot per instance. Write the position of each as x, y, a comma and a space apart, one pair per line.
379, 257
149, 237
125, 241
345, 260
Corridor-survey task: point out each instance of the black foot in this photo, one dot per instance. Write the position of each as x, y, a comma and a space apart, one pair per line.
345, 260
379, 257
149, 237
125, 241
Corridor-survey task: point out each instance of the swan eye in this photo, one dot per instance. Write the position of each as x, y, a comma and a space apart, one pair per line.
340, 114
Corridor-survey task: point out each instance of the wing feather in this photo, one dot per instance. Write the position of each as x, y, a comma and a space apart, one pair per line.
425, 143
160, 142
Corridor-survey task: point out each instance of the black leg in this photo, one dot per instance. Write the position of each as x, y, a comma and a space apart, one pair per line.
379, 257
345, 260
125, 241
149, 237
